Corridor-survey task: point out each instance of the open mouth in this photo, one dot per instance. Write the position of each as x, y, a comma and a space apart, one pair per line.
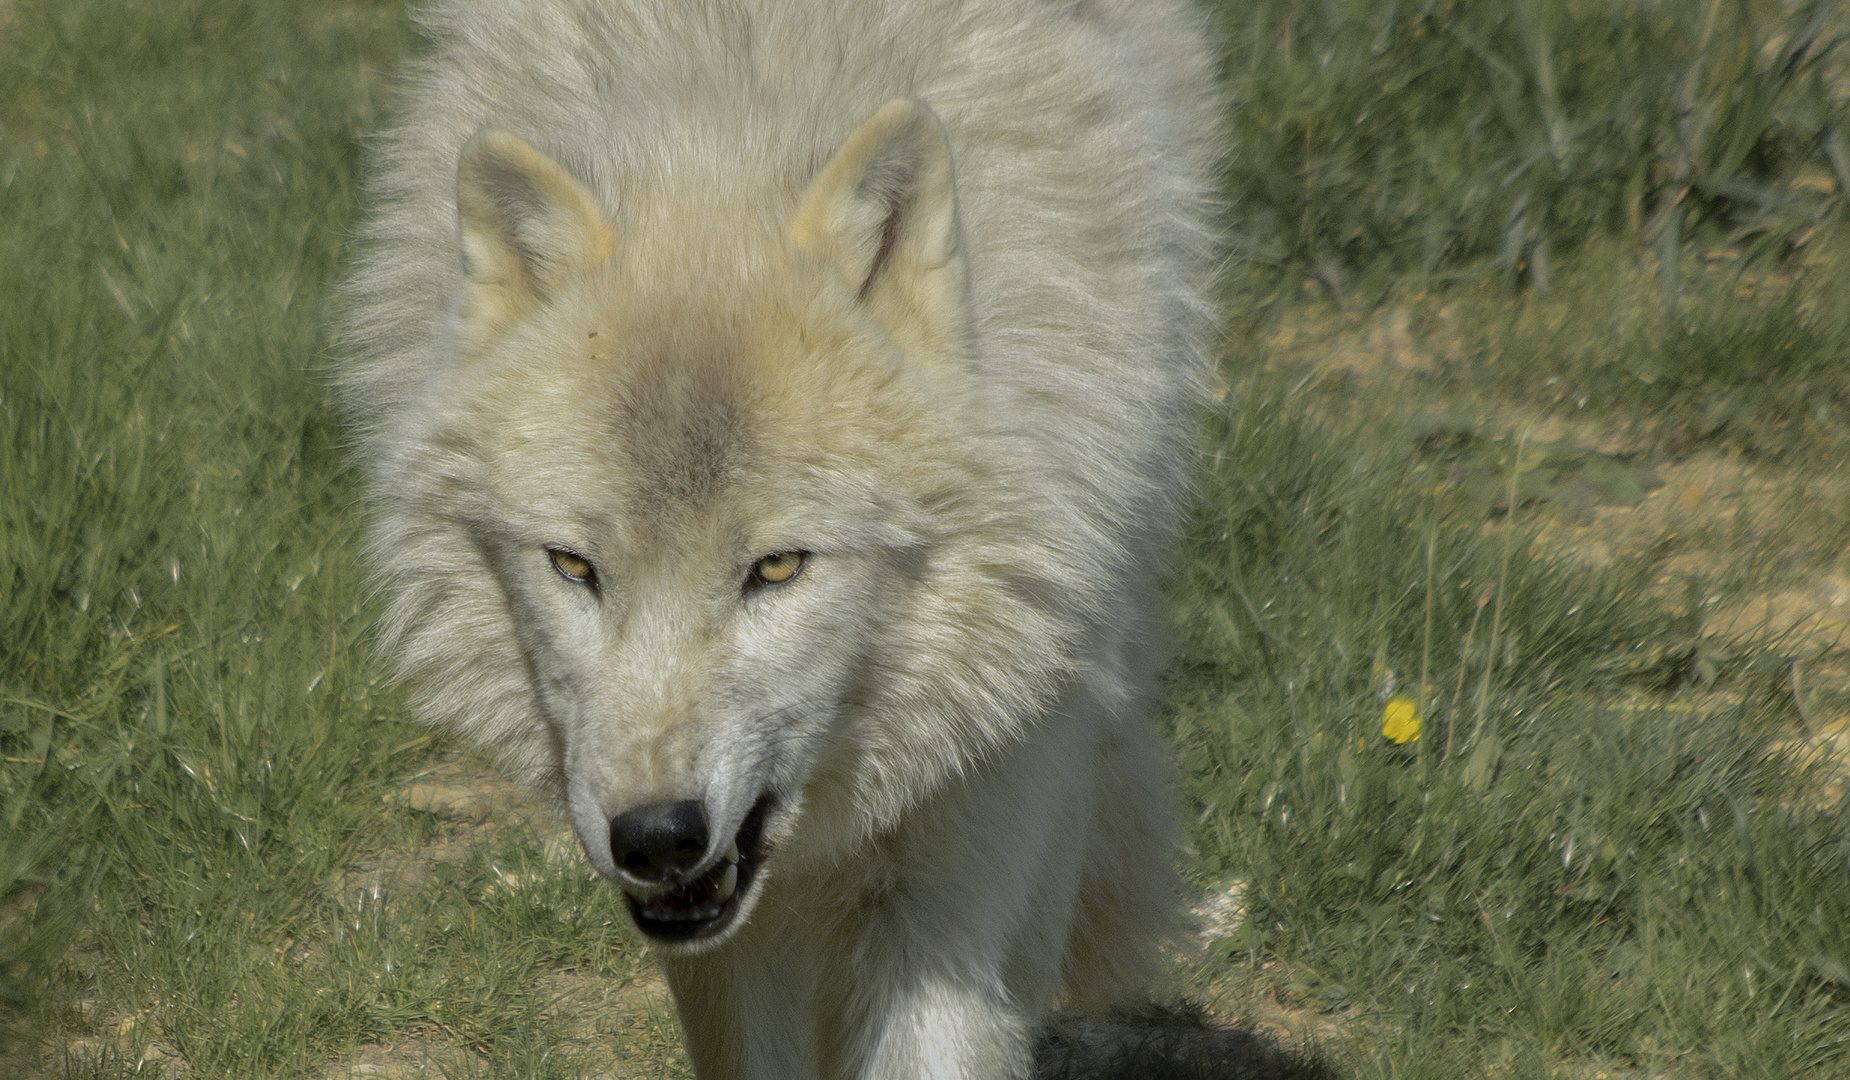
707, 904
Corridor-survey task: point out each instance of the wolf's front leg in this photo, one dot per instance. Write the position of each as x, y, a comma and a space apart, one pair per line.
747, 1009
960, 956
946, 1030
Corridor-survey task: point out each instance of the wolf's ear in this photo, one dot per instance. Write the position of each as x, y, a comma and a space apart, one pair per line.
883, 215
527, 227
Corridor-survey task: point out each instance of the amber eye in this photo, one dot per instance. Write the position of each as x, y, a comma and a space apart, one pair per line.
573, 566
777, 569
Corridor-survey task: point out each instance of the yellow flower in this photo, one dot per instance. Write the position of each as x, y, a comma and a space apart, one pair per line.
1400, 720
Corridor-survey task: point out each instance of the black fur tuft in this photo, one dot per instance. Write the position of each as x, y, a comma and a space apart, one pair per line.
1164, 1043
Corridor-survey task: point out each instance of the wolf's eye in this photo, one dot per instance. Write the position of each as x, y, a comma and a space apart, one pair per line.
573, 566
776, 569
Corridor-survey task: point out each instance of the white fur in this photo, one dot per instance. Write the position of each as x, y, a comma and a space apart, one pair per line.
984, 450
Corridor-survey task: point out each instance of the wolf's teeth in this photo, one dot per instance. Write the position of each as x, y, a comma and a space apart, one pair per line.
728, 883
732, 851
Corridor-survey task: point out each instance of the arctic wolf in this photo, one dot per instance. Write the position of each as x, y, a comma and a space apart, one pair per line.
777, 414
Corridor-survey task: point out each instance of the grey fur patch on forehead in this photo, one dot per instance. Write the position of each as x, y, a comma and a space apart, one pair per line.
682, 424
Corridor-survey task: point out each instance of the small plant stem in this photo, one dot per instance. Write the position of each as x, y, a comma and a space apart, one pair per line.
1503, 577
1798, 698
1432, 542
1425, 686
1464, 663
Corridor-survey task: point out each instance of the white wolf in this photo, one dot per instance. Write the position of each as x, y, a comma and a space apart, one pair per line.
777, 415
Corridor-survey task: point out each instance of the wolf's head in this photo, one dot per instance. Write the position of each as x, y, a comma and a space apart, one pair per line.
704, 527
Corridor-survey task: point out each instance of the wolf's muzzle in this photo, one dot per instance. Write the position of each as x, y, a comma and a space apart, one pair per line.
688, 908
659, 843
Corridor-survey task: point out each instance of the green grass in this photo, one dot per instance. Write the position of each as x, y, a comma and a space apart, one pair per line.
187, 722
1751, 359
1379, 138
1610, 866
1596, 857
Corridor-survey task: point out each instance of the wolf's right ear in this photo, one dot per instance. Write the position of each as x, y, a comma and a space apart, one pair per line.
883, 216
527, 226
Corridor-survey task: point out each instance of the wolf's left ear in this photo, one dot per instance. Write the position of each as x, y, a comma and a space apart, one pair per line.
883, 215
527, 227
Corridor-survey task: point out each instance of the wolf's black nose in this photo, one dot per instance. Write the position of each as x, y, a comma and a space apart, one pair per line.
660, 841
